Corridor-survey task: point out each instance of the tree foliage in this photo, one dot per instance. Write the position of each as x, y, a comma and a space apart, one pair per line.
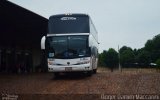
153, 47
150, 53
108, 58
124, 48
102, 57
158, 63
127, 56
112, 58
149, 45
143, 57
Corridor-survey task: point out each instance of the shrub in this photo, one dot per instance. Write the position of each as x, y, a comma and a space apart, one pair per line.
158, 63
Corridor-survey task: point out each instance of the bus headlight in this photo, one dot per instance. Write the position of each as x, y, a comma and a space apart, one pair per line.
50, 63
85, 62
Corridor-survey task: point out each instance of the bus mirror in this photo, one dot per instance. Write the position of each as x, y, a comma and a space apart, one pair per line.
43, 42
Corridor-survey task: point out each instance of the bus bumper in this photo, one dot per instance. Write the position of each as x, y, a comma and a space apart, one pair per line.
71, 68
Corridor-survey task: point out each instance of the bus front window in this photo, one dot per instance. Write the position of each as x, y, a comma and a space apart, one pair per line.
56, 45
68, 47
79, 44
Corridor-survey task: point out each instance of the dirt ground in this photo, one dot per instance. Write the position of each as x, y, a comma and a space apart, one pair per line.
128, 82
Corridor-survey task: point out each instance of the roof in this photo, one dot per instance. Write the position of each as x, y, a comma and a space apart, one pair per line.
19, 26
70, 15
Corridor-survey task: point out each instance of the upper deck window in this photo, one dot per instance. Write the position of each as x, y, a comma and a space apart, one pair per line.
69, 24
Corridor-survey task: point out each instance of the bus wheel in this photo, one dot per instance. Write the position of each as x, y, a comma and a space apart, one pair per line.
94, 71
89, 73
56, 75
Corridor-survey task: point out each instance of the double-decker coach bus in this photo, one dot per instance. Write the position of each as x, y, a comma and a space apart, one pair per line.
71, 44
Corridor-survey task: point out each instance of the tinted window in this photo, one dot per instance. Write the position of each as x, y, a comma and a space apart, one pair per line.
56, 45
69, 24
65, 47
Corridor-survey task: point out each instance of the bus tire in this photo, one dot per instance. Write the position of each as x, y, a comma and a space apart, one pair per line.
94, 71
56, 75
89, 73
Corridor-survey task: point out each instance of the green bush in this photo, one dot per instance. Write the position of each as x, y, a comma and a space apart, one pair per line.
158, 63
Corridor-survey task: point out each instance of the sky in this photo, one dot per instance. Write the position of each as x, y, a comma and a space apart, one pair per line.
118, 22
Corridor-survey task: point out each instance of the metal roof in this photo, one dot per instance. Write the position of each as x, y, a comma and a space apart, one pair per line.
19, 26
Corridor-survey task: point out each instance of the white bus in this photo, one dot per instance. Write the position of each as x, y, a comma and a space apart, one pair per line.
71, 44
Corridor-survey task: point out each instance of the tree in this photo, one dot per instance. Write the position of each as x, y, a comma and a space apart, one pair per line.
127, 56
156, 42
135, 51
150, 53
158, 63
153, 44
102, 58
153, 47
111, 58
149, 45
124, 48
143, 58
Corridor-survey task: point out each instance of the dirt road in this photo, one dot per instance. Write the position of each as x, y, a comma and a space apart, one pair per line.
133, 81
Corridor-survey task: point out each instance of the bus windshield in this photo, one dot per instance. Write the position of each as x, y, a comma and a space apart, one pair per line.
68, 47
68, 25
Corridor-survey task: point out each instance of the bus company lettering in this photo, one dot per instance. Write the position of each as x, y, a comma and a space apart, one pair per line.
68, 18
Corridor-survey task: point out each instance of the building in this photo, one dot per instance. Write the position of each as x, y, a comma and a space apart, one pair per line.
20, 34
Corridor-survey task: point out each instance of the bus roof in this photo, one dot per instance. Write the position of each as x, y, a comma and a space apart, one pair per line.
75, 14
